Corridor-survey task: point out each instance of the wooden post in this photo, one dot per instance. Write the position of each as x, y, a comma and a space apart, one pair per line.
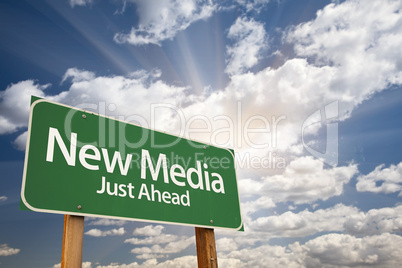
73, 234
206, 249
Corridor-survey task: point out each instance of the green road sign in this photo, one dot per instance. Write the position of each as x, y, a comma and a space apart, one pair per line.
81, 163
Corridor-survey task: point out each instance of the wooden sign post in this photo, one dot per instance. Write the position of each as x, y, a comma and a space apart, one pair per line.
73, 234
206, 249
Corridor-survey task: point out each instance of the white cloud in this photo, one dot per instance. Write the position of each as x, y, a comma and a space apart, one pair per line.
375, 221
5, 250
339, 218
99, 233
14, 104
302, 86
304, 223
157, 239
149, 230
121, 92
305, 180
3, 198
247, 187
77, 75
381, 180
345, 250
262, 202
250, 207
331, 250
169, 248
21, 141
226, 244
183, 262
275, 101
249, 40
161, 20
263, 256
151, 256
180, 262
85, 264
115, 95
74, 3
360, 41
105, 222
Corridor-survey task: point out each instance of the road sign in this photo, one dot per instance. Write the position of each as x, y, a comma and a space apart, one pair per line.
81, 163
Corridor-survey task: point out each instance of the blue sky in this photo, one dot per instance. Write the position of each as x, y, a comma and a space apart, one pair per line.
299, 71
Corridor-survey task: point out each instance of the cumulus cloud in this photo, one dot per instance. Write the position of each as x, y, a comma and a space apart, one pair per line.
99, 233
162, 244
163, 20
159, 239
149, 230
77, 75
381, 180
339, 218
113, 96
21, 141
3, 198
345, 250
5, 250
182, 262
375, 221
358, 40
249, 40
263, 202
226, 244
304, 223
105, 222
331, 250
170, 248
263, 256
151, 256
305, 180
14, 104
